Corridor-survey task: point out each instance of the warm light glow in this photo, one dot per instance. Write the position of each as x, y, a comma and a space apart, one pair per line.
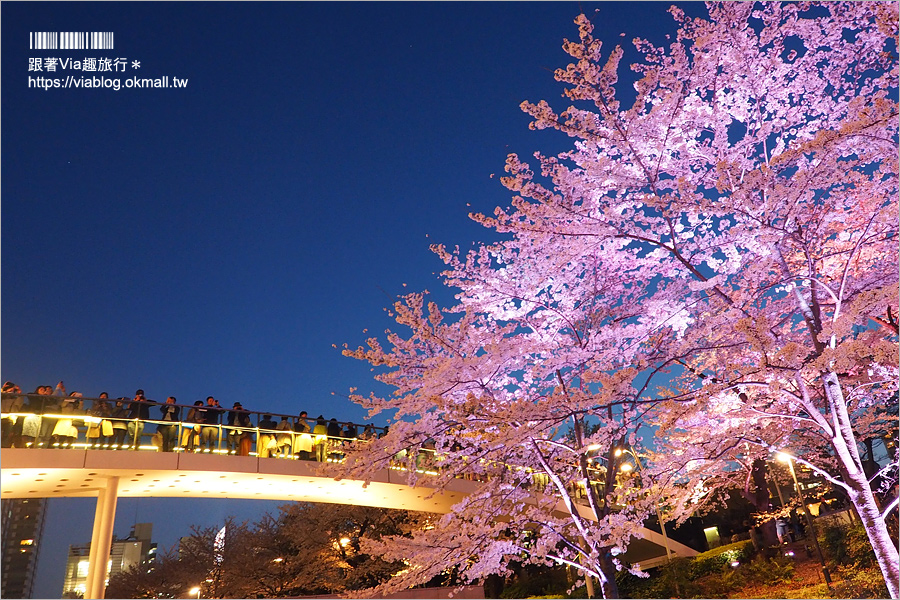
619, 452
344, 542
785, 458
593, 448
625, 467
278, 560
193, 590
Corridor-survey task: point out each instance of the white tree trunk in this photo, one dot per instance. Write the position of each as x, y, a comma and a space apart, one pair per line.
844, 443
885, 552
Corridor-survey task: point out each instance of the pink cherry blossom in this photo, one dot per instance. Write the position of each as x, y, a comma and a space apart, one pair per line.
715, 263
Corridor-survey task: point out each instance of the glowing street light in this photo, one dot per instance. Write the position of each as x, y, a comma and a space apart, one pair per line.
787, 458
195, 590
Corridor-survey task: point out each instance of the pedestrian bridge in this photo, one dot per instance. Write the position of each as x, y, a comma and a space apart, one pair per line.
71, 473
108, 475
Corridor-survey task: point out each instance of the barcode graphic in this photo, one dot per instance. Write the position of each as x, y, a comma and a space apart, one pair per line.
71, 40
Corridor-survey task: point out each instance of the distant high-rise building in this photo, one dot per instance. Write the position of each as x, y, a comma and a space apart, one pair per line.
22, 524
136, 549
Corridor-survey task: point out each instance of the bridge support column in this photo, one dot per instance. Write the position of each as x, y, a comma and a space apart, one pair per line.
101, 540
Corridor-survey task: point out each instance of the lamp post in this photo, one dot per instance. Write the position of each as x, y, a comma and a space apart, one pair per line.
662, 524
784, 457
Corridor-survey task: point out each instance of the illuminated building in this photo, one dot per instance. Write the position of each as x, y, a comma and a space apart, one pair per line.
22, 525
135, 550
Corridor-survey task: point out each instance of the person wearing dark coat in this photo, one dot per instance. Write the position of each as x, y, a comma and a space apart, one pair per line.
334, 429
335, 444
237, 420
171, 414
209, 432
119, 419
139, 409
190, 435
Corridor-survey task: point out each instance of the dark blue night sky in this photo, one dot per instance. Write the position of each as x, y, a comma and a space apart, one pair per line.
218, 239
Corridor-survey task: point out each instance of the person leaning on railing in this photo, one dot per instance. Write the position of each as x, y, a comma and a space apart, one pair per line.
12, 402
239, 439
190, 435
303, 442
209, 431
99, 430
49, 406
285, 442
320, 438
138, 413
119, 420
266, 443
28, 429
65, 433
168, 429
368, 432
335, 443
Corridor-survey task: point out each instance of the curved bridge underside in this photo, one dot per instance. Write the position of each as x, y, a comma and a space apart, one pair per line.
30, 473
35, 473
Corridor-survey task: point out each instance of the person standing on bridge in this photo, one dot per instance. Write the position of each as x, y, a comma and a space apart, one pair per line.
285, 439
49, 406
266, 441
171, 414
191, 433
209, 432
119, 418
64, 432
28, 428
303, 443
320, 438
12, 403
99, 431
139, 411
238, 425
368, 433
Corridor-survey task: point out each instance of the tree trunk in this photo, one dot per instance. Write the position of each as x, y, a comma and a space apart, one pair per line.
608, 588
882, 543
847, 454
759, 498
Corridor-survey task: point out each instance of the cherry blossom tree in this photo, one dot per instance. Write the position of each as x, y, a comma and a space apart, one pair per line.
326, 542
715, 263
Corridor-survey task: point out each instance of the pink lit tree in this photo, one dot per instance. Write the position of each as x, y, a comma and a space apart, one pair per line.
715, 263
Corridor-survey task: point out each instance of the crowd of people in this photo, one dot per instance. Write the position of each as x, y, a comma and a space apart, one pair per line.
52, 418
